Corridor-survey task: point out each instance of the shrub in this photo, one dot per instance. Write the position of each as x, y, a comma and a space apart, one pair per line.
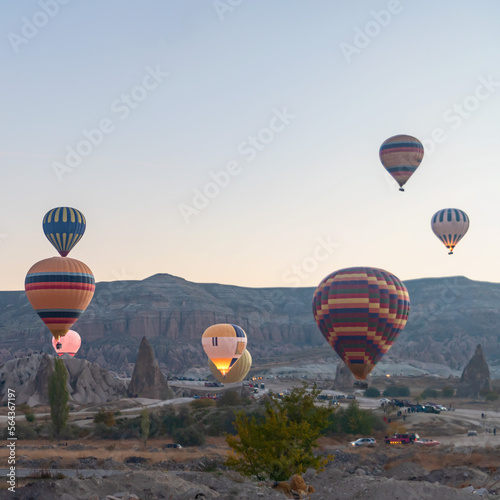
190, 436
23, 431
229, 398
396, 391
430, 393
447, 392
491, 396
282, 443
104, 417
220, 423
372, 392
30, 416
202, 403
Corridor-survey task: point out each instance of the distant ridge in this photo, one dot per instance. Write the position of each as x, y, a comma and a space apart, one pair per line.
448, 318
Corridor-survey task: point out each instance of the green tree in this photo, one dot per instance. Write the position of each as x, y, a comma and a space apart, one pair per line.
397, 391
282, 443
58, 397
429, 393
447, 392
145, 424
30, 416
104, 417
229, 398
372, 392
354, 420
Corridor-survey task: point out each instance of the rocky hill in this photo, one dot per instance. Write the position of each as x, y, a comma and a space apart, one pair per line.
448, 318
87, 382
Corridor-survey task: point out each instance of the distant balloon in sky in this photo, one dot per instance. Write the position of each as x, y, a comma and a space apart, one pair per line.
237, 372
64, 227
59, 290
450, 226
69, 343
401, 155
224, 344
361, 311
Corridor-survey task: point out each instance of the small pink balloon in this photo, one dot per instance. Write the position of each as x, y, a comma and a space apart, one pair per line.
70, 343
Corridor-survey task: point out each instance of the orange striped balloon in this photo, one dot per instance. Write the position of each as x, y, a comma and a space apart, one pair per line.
59, 290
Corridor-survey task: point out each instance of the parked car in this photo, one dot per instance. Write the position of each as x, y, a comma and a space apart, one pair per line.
173, 445
351, 396
364, 442
472, 433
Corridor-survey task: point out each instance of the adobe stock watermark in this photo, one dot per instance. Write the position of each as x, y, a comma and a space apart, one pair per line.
457, 114
295, 276
450, 292
122, 107
223, 7
322, 251
30, 27
363, 36
249, 149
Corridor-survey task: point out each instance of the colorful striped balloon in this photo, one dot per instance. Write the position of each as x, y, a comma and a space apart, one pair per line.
401, 155
450, 226
64, 228
361, 311
59, 289
69, 343
224, 344
236, 373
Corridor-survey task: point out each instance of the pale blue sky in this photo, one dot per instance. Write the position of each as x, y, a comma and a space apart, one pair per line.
317, 178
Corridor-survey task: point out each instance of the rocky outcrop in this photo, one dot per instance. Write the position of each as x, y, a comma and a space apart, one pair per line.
29, 376
475, 377
344, 379
147, 379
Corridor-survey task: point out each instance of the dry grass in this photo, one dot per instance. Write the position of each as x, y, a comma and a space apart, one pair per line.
435, 458
118, 450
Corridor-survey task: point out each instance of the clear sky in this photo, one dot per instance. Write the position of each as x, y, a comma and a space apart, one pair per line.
239, 140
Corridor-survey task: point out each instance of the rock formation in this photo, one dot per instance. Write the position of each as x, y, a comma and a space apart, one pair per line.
147, 379
447, 317
29, 376
475, 377
344, 379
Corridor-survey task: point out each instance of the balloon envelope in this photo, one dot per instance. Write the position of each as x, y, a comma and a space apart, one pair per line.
237, 372
59, 289
224, 344
360, 311
450, 226
64, 227
70, 343
401, 155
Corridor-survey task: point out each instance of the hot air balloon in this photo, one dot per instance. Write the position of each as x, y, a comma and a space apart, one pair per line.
237, 372
401, 155
450, 226
224, 344
360, 311
64, 227
59, 289
69, 343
